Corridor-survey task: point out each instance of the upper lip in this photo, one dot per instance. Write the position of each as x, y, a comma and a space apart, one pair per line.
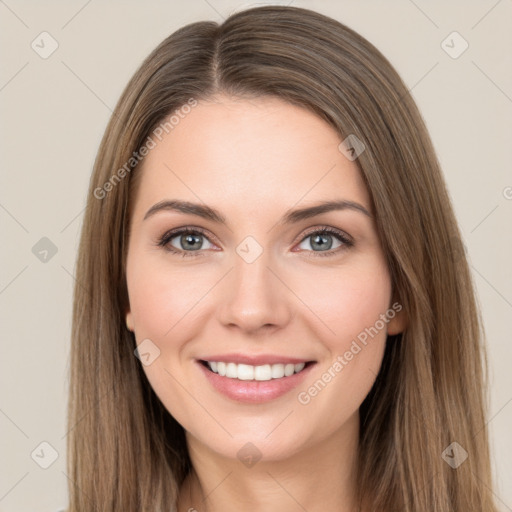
255, 360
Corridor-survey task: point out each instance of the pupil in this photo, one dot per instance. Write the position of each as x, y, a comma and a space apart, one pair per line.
322, 245
190, 239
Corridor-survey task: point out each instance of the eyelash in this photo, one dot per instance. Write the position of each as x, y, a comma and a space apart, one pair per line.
169, 235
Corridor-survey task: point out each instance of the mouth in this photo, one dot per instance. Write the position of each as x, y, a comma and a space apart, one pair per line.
256, 384
259, 373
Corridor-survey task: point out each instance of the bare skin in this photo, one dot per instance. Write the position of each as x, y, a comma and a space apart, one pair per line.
252, 160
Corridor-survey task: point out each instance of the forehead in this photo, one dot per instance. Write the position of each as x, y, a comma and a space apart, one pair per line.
253, 152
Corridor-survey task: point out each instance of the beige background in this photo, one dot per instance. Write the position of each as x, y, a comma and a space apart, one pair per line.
54, 111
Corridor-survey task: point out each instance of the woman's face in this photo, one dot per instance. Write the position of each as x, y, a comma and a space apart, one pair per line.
256, 281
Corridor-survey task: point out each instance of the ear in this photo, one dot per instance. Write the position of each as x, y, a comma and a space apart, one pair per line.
129, 321
399, 321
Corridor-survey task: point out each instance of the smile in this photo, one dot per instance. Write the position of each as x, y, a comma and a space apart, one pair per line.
254, 384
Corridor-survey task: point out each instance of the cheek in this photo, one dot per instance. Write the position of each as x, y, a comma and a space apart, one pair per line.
161, 296
350, 306
165, 303
161, 303
347, 300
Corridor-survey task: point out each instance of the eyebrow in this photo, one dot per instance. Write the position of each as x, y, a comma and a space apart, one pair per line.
290, 216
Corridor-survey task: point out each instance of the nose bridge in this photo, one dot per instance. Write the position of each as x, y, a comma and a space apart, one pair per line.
253, 296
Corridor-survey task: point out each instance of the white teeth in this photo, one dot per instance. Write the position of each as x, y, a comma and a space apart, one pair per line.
289, 369
244, 371
248, 372
231, 371
263, 372
299, 367
277, 371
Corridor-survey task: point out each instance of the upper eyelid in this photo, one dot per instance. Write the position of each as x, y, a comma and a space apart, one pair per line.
171, 233
321, 228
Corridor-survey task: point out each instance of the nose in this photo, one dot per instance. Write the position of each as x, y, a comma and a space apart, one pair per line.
254, 297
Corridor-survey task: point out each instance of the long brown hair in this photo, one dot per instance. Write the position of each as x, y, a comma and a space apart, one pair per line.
125, 451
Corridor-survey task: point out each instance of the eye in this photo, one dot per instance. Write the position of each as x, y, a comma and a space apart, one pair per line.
321, 241
190, 241
184, 241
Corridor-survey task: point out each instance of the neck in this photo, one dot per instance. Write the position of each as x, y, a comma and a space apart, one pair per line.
317, 478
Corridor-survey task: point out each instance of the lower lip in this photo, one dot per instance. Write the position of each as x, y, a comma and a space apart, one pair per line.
252, 391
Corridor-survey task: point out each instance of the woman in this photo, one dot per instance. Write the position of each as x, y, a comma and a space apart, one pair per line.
272, 308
